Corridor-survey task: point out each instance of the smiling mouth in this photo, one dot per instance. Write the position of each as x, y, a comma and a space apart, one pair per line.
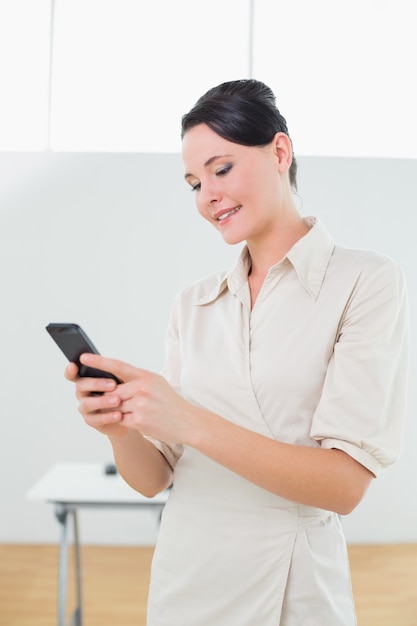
229, 213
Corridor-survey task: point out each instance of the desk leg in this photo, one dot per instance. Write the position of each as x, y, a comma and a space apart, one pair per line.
62, 512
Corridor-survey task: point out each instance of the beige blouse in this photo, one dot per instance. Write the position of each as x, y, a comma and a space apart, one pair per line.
321, 360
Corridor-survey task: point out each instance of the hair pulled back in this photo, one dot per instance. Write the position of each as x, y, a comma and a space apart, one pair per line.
241, 111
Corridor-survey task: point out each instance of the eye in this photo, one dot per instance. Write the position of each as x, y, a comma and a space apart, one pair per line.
224, 170
195, 187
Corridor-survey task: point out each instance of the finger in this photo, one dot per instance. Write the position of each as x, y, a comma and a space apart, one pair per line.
71, 372
102, 385
123, 371
104, 420
87, 386
107, 403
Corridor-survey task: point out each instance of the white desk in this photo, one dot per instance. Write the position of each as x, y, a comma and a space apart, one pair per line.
73, 486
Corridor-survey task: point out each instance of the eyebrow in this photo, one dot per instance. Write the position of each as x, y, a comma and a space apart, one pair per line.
210, 161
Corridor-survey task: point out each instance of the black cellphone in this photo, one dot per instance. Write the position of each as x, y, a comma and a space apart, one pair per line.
73, 342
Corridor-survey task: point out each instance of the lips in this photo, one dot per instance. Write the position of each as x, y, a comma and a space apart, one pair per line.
225, 214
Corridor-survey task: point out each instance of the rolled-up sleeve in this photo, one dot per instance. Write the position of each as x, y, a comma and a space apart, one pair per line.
362, 406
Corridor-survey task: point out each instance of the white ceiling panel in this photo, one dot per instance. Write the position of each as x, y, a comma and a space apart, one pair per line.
343, 72
124, 71
24, 74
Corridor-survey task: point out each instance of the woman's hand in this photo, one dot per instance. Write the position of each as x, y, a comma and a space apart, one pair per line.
97, 401
144, 401
114, 410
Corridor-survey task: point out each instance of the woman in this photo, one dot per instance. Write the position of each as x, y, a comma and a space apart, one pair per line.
282, 394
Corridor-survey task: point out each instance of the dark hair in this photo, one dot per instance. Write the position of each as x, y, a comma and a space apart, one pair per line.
241, 111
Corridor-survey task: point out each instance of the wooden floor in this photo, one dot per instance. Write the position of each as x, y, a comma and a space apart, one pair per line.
116, 581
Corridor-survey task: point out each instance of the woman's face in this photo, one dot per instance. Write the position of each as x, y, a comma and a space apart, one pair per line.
239, 189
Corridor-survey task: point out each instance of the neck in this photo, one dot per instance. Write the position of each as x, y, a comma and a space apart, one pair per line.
266, 253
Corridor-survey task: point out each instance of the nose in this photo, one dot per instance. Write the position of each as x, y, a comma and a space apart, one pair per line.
210, 194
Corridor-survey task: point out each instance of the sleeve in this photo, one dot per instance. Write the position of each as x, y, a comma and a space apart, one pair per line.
362, 406
171, 370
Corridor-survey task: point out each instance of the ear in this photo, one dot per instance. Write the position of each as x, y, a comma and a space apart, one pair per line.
283, 151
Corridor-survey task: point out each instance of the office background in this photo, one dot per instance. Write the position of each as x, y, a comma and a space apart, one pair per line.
98, 227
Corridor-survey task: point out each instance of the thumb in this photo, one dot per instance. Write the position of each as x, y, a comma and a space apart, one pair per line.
123, 371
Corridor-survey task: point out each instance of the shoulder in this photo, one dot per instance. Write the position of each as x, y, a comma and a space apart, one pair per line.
367, 280
366, 264
364, 257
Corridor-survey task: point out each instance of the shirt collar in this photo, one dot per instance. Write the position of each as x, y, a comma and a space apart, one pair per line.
310, 257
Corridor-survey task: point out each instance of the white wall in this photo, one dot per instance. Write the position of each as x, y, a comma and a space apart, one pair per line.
106, 240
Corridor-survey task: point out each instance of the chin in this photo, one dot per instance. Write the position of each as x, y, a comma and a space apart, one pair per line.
232, 241
232, 236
